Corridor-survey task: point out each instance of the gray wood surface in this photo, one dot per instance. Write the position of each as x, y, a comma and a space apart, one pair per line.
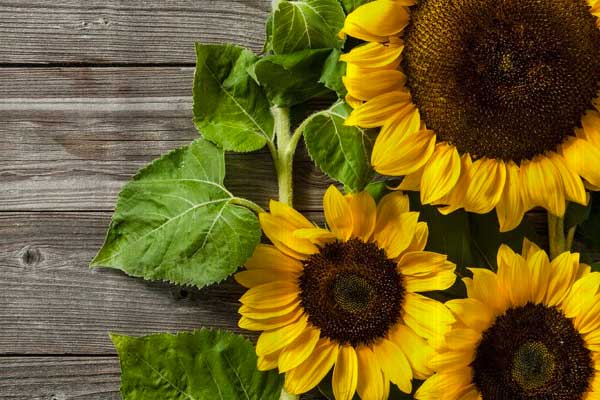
90, 91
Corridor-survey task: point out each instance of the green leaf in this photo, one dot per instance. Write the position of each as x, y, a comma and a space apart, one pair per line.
230, 109
333, 71
291, 79
577, 214
200, 365
342, 152
306, 24
176, 222
351, 5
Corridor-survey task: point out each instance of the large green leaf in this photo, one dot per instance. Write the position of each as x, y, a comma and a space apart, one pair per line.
201, 365
342, 152
291, 79
305, 24
230, 108
176, 222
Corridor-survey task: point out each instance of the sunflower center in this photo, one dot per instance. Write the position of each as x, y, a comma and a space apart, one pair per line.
532, 352
352, 292
533, 366
505, 79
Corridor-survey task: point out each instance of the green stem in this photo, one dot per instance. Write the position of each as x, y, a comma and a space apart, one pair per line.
286, 396
556, 234
284, 156
571, 237
248, 204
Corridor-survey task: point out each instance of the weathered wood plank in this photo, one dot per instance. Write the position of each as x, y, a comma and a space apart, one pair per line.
65, 378
113, 31
71, 138
52, 303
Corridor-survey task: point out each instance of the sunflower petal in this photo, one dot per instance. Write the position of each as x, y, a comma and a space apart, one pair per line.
271, 295
564, 272
544, 186
394, 364
364, 214
337, 213
312, 371
269, 257
376, 111
281, 233
574, 189
441, 173
299, 350
271, 341
345, 374
372, 84
371, 380
416, 349
377, 20
486, 185
512, 277
374, 55
583, 159
511, 208
427, 317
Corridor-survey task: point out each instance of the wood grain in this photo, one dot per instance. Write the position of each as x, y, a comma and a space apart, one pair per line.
63, 378
71, 138
52, 303
134, 31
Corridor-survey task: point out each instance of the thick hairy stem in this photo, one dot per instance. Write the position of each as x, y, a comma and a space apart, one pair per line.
284, 154
556, 235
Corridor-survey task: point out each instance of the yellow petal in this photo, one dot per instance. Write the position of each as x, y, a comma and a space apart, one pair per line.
420, 240
512, 276
271, 341
541, 179
352, 102
427, 317
485, 287
511, 207
455, 199
375, 112
539, 266
299, 350
317, 236
564, 272
574, 189
403, 155
287, 213
270, 295
452, 360
258, 277
395, 232
446, 386
312, 371
438, 281
423, 263
371, 380
281, 233
345, 374
337, 213
441, 173
416, 349
394, 364
372, 84
374, 55
486, 185
267, 362
265, 313
582, 158
462, 339
472, 312
581, 295
529, 248
364, 213
377, 20
270, 323
269, 257
411, 182
591, 127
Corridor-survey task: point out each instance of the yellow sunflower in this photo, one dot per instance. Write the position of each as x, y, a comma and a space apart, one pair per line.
346, 298
531, 331
483, 104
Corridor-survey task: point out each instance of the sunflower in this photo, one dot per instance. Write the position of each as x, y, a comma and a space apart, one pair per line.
531, 331
346, 297
482, 104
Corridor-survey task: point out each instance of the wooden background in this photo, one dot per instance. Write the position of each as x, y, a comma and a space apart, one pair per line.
90, 91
